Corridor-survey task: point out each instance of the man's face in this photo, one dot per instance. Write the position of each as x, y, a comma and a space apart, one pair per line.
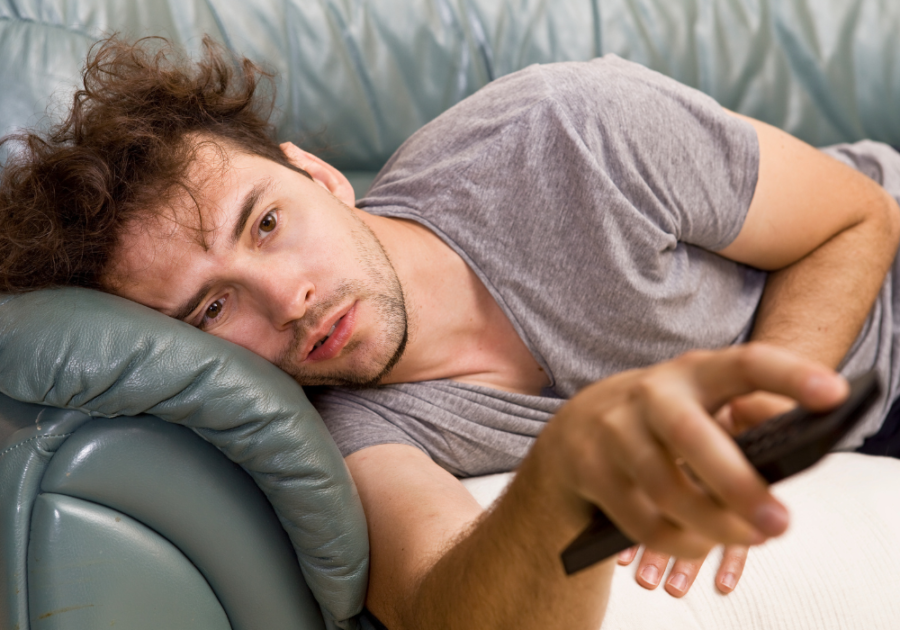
287, 271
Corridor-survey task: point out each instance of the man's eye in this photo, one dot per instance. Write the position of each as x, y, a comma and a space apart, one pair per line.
268, 222
213, 311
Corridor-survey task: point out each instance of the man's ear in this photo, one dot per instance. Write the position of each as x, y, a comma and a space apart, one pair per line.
322, 173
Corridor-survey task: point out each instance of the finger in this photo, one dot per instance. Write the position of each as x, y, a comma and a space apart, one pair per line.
717, 462
740, 370
651, 568
680, 422
627, 557
732, 567
675, 494
725, 418
638, 517
751, 410
682, 576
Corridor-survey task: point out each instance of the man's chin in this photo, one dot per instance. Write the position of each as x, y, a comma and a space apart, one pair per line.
347, 381
329, 380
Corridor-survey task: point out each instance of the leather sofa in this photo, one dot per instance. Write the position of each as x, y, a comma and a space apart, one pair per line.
155, 477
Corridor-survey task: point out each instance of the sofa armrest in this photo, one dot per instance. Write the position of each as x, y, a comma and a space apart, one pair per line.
139, 522
106, 357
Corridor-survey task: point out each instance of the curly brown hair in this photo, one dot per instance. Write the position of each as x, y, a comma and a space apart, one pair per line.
123, 150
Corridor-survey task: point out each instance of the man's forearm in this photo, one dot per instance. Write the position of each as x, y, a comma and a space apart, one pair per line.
516, 544
818, 305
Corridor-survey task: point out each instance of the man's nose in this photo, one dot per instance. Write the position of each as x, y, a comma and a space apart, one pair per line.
287, 301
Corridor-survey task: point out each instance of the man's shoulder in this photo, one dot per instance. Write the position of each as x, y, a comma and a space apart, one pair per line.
540, 104
538, 81
531, 87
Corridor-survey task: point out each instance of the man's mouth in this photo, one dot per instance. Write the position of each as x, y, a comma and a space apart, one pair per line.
331, 343
325, 338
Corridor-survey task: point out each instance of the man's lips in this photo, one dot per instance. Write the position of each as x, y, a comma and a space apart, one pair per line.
342, 321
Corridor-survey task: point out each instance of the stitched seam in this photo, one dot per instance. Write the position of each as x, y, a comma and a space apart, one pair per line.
32, 439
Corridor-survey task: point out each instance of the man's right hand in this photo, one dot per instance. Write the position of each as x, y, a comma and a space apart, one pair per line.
624, 443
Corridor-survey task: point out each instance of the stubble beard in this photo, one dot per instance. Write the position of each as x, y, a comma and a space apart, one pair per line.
383, 291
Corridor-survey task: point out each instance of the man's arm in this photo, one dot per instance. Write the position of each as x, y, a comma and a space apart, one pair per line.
438, 562
828, 235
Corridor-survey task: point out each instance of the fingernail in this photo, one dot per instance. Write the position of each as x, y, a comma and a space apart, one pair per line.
771, 519
650, 574
626, 556
678, 582
729, 580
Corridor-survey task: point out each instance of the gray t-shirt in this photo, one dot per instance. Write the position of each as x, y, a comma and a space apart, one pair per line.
589, 198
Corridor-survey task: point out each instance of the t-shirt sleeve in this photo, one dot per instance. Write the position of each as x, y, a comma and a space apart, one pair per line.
356, 423
683, 162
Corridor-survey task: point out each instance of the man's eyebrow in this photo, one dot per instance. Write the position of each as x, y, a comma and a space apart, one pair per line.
188, 307
247, 206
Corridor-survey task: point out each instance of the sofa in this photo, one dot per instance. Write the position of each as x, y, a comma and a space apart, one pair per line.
152, 476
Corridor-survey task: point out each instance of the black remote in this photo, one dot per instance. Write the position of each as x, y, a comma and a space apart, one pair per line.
778, 448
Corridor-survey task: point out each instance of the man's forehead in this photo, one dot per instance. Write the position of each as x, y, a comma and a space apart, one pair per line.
201, 206
187, 217
210, 208
149, 242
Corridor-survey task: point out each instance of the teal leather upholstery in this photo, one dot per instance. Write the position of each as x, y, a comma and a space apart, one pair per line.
180, 488
103, 356
145, 570
359, 77
356, 78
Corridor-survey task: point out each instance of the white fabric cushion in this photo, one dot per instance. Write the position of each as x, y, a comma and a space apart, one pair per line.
837, 567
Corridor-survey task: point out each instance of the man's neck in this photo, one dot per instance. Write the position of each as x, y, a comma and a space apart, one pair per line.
456, 328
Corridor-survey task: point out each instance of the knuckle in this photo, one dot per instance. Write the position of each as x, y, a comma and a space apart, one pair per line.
654, 394
611, 432
680, 428
644, 388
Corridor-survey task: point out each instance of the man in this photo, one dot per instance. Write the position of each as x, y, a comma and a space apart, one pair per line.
518, 290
